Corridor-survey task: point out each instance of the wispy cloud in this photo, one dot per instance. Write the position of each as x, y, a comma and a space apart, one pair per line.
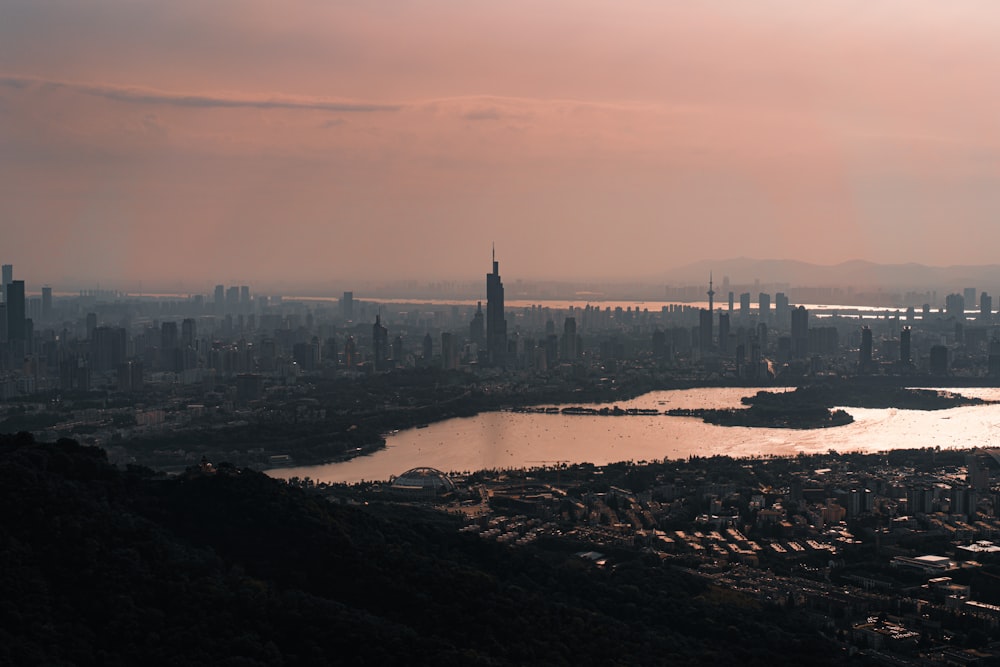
137, 95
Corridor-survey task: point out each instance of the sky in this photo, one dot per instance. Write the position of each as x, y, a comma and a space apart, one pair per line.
311, 142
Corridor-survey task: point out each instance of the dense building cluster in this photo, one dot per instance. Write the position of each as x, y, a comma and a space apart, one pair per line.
892, 554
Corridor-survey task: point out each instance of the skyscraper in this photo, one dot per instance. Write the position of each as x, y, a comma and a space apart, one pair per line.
347, 306
496, 323
905, 353
477, 328
7, 279
800, 333
15, 311
865, 351
46, 303
380, 344
219, 299
764, 306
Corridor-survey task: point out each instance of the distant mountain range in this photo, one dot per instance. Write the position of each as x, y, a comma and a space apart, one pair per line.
856, 273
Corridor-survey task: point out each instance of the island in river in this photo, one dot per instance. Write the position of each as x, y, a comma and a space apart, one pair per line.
819, 406
807, 407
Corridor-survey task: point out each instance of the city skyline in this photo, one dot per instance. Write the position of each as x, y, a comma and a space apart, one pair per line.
238, 143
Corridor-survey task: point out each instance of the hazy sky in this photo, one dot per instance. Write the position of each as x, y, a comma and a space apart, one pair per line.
316, 140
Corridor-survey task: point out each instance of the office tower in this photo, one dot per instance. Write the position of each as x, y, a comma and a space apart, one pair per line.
969, 294
220, 299
569, 339
496, 323
168, 336
800, 333
905, 352
189, 332
449, 351
397, 349
3, 322
46, 303
978, 470
954, 306
724, 333
232, 299
764, 306
780, 309
380, 344
350, 352
108, 348
732, 298
939, 360
244, 298
7, 278
427, 348
865, 352
15, 311
347, 306
477, 328
704, 330
985, 307
745, 305
659, 344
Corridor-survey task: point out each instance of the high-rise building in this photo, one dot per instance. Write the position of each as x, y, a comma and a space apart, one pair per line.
347, 306
7, 273
954, 306
108, 348
704, 330
477, 328
905, 351
189, 332
745, 305
764, 306
496, 322
780, 309
220, 299
865, 351
800, 332
380, 344
969, 294
233, 299
724, 333
46, 303
939, 360
427, 348
569, 339
350, 352
16, 311
985, 307
449, 351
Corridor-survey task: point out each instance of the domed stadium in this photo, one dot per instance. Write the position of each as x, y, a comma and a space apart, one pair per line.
423, 480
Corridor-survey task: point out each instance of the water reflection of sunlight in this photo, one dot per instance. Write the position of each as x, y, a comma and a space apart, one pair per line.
504, 439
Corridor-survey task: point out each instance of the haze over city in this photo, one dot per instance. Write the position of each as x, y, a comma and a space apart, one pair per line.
180, 144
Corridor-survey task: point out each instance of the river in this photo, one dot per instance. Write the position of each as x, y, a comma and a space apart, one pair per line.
518, 440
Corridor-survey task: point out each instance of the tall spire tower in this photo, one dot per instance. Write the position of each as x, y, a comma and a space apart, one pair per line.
711, 294
496, 322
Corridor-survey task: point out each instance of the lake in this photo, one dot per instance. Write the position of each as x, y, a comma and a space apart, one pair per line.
518, 440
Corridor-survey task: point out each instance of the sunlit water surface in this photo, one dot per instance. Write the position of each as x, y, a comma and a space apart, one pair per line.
514, 440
